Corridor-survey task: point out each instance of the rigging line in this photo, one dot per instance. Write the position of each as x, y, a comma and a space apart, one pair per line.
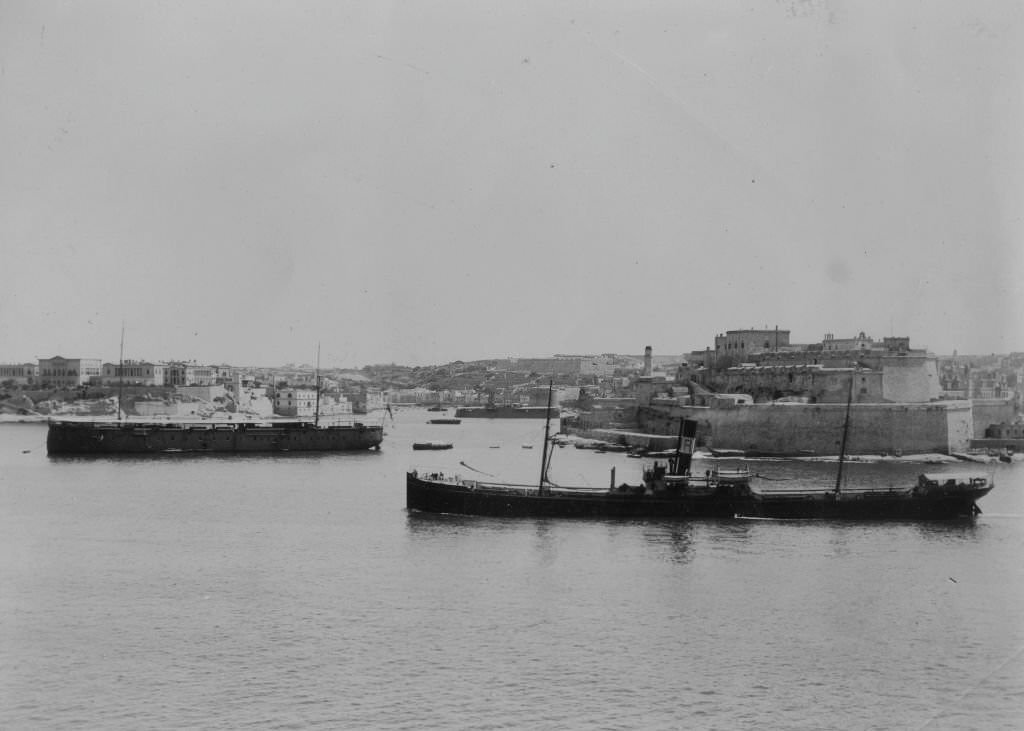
476, 470
547, 464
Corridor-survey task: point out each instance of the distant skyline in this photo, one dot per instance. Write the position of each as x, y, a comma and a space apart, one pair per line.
636, 353
424, 183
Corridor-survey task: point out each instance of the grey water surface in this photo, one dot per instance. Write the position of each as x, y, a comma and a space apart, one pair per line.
296, 591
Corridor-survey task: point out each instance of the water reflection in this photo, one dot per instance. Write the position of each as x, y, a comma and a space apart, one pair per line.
950, 532
432, 525
546, 542
671, 541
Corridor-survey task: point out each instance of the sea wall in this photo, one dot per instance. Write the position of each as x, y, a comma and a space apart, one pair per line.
992, 411
795, 429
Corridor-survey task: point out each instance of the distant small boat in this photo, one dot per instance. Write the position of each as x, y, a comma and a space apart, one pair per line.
431, 445
495, 411
445, 421
969, 457
527, 446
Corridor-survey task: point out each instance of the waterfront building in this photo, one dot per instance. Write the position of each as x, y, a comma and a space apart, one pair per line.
417, 395
61, 372
302, 402
294, 401
21, 374
133, 373
364, 399
373, 399
1004, 430
181, 373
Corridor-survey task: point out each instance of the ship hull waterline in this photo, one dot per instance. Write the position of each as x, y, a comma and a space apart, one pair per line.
893, 506
728, 502
430, 496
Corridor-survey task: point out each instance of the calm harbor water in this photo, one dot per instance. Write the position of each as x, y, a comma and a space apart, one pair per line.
296, 592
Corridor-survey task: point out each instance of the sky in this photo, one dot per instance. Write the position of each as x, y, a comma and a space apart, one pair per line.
419, 183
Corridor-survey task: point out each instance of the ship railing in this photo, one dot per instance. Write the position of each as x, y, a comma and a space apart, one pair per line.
505, 487
846, 493
522, 489
735, 473
579, 490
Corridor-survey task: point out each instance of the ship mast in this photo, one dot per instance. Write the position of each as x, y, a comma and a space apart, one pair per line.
542, 486
120, 376
846, 429
316, 413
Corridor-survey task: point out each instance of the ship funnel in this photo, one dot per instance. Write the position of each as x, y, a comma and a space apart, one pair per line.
680, 463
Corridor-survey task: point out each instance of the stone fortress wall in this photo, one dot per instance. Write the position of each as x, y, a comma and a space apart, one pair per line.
775, 429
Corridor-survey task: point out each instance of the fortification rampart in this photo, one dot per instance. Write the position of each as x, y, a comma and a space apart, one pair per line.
795, 429
992, 411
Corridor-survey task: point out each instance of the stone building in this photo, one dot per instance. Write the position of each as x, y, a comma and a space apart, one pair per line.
61, 372
766, 364
181, 373
292, 401
22, 374
134, 373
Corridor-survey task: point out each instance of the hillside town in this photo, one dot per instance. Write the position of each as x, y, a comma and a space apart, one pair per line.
753, 390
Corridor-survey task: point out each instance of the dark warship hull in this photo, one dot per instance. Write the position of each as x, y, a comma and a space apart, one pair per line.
97, 437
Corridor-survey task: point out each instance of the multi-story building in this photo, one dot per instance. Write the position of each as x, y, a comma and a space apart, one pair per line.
770, 367
302, 403
292, 401
22, 374
174, 374
179, 373
134, 373
61, 372
744, 342
365, 399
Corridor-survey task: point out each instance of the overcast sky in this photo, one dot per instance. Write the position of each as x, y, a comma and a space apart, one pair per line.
421, 182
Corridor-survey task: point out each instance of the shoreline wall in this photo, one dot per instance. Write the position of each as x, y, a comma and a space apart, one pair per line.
816, 429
